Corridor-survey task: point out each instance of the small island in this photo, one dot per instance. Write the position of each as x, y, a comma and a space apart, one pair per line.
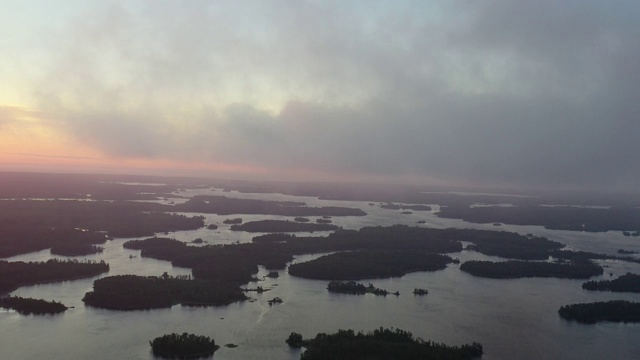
234, 221
323, 221
212, 226
301, 219
417, 291
28, 306
520, 269
185, 346
352, 287
379, 344
590, 313
626, 252
625, 283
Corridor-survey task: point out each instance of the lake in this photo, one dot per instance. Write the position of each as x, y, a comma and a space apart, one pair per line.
511, 318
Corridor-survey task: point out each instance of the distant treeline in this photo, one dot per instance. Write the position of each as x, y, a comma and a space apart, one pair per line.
625, 283
379, 344
590, 313
392, 206
28, 306
283, 226
132, 292
556, 217
226, 206
31, 225
352, 287
75, 249
519, 269
16, 274
369, 264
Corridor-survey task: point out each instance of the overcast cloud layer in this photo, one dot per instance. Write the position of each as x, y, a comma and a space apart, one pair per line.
519, 93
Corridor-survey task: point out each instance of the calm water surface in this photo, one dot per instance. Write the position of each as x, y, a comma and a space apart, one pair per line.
511, 318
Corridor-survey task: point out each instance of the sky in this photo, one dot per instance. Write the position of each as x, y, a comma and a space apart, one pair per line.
529, 94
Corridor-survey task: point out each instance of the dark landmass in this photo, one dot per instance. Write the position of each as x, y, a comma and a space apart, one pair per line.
75, 249
16, 274
625, 283
512, 245
520, 269
421, 222
28, 306
556, 217
417, 291
274, 301
406, 213
369, 265
383, 344
232, 221
132, 292
212, 226
197, 241
30, 225
586, 255
185, 346
590, 313
301, 219
392, 206
273, 274
323, 221
352, 287
282, 226
626, 252
223, 205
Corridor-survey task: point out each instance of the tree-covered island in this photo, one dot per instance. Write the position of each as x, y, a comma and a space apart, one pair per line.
132, 292
184, 346
28, 306
590, 313
626, 283
75, 249
352, 287
369, 264
520, 269
383, 344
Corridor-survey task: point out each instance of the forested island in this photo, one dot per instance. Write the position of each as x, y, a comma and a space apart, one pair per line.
282, 226
625, 283
417, 291
417, 207
16, 274
28, 306
352, 287
369, 264
379, 344
132, 292
590, 313
520, 269
183, 346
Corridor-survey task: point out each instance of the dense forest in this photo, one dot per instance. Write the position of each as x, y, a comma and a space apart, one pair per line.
392, 206
369, 264
16, 274
519, 269
282, 226
28, 306
383, 344
132, 292
590, 313
625, 283
183, 346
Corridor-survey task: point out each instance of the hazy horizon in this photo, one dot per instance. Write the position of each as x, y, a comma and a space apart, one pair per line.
532, 94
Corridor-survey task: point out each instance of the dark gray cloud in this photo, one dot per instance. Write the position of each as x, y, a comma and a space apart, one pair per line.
527, 93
